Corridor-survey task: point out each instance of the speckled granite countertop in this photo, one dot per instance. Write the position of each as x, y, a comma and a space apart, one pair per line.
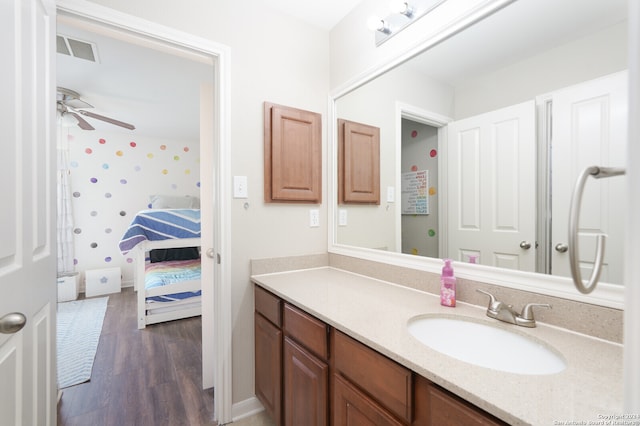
376, 313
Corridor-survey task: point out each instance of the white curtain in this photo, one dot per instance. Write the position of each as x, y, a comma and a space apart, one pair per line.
65, 211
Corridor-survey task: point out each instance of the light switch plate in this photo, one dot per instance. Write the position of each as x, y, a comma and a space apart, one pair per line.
342, 217
240, 189
314, 218
391, 194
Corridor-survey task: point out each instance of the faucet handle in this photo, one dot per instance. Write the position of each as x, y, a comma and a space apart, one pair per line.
493, 303
527, 311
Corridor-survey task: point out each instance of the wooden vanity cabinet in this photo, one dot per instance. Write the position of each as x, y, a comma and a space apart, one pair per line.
268, 352
307, 373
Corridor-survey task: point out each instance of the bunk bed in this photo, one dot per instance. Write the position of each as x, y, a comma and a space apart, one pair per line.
168, 288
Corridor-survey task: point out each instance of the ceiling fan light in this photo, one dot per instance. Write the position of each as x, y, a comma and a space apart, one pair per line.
67, 120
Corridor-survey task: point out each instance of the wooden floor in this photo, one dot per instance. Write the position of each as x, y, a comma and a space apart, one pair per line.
141, 377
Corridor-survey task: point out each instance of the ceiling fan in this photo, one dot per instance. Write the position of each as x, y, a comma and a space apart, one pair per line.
69, 102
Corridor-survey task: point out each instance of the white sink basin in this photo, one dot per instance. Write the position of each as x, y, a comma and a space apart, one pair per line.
487, 346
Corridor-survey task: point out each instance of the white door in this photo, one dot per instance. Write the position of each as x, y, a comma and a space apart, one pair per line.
491, 188
27, 213
590, 129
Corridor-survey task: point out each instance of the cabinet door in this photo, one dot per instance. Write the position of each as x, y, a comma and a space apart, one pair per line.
306, 387
358, 163
437, 407
353, 408
268, 353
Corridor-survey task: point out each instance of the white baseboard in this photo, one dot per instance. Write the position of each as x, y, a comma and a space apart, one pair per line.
246, 408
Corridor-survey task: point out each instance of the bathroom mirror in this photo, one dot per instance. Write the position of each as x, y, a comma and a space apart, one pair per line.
524, 53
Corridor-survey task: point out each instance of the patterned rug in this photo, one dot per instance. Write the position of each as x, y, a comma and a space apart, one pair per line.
79, 325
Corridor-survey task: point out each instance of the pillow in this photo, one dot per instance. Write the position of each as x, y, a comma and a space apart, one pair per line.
174, 202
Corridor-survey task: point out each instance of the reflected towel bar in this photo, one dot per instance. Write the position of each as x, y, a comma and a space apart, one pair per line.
574, 218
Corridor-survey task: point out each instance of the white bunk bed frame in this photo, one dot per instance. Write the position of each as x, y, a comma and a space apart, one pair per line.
153, 313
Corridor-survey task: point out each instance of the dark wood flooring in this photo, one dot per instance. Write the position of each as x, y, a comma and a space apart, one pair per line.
141, 377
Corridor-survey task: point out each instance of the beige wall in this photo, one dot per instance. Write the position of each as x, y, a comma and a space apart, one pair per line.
273, 58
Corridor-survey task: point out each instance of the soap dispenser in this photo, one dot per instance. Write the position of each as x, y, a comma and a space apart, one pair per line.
447, 285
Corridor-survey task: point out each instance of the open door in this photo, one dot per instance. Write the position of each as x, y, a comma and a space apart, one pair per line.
27, 218
492, 188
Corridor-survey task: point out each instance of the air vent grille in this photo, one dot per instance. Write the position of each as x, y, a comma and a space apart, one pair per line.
76, 48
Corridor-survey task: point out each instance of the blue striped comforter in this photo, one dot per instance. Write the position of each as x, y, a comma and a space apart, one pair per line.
153, 225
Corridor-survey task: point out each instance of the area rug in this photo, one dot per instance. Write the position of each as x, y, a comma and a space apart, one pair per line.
79, 325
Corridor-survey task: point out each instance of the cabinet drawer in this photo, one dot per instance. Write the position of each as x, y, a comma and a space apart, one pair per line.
310, 332
268, 305
384, 380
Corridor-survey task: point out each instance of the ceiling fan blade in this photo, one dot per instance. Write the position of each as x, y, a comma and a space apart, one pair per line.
82, 123
108, 120
71, 98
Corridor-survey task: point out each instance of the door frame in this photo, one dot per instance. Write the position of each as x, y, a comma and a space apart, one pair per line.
218, 375
440, 122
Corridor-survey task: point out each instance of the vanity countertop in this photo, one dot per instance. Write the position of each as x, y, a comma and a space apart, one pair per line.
376, 313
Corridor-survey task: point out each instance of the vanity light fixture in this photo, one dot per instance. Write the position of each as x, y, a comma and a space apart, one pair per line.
403, 14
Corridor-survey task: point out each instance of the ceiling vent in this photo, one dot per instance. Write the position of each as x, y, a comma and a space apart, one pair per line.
76, 48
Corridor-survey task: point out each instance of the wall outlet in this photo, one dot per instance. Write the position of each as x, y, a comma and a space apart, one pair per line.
342, 217
240, 189
314, 218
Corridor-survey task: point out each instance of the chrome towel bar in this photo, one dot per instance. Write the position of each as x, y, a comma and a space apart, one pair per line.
574, 219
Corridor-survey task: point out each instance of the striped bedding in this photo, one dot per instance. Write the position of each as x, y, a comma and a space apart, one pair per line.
165, 273
154, 225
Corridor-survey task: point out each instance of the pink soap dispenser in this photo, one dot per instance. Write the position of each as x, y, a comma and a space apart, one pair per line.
447, 285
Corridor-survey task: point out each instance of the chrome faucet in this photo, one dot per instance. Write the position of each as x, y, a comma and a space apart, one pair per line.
506, 313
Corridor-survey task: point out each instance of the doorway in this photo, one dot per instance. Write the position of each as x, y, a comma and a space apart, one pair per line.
216, 318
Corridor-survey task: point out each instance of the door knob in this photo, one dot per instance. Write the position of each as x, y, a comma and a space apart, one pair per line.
12, 323
562, 248
210, 253
525, 245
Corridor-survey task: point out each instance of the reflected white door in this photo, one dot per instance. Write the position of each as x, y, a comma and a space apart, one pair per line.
27, 215
590, 129
491, 188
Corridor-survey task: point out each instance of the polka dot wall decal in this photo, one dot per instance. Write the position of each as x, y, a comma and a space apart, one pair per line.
129, 260
414, 251
93, 180
414, 168
433, 153
132, 144
187, 172
119, 153
123, 213
74, 164
75, 261
432, 233
174, 186
105, 166
94, 245
123, 181
107, 195
107, 259
186, 149
198, 184
102, 141
108, 230
165, 171
77, 231
137, 168
163, 147
414, 133
88, 150
432, 190
76, 194
94, 213
176, 158
149, 155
